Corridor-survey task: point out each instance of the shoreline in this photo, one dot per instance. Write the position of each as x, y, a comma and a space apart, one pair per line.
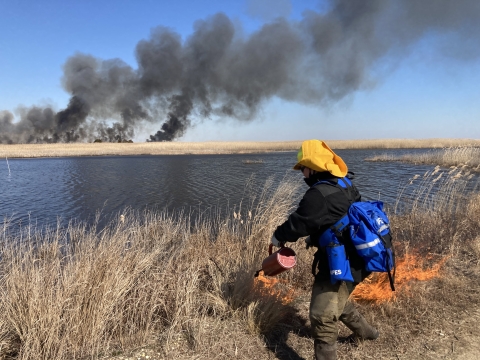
213, 147
466, 158
147, 279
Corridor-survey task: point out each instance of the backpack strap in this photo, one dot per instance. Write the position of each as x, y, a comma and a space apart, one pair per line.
391, 276
316, 260
345, 185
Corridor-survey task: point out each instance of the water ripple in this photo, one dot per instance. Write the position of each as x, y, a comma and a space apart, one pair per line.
76, 188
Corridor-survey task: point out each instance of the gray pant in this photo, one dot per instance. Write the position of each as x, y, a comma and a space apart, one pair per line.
328, 305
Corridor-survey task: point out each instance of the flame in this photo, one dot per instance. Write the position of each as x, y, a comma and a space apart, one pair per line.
272, 287
376, 288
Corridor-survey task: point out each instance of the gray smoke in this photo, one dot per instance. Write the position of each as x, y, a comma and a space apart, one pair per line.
216, 71
268, 10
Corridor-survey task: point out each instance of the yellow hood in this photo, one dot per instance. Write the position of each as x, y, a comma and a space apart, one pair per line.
316, 155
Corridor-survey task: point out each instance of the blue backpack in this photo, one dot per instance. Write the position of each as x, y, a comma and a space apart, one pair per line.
369, 231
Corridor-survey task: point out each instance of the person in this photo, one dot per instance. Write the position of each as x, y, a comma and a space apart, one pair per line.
322, 206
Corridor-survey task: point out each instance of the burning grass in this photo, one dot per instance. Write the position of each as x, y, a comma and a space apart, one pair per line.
272, 286
412, 267
437, 308
212, 147
188, 292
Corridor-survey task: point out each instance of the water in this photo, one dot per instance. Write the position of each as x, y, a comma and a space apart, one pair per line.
42, 190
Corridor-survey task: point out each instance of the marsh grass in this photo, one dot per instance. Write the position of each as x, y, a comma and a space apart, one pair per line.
459, 157
438, 318
212, 147
80, 292
184, 286
437, 190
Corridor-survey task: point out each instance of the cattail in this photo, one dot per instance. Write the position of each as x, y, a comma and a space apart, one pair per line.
438, 178
414, 178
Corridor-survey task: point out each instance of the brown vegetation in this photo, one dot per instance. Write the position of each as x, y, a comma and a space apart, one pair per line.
252, 161
466, 157
186, 291
213, 147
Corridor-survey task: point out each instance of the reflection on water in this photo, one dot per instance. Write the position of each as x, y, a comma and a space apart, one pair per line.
76, 188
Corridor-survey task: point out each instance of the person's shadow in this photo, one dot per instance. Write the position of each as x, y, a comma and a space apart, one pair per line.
276, 341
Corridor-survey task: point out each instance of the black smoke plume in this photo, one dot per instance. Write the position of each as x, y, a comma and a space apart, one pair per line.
218, 72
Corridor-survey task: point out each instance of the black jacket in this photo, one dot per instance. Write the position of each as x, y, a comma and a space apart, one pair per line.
321, 207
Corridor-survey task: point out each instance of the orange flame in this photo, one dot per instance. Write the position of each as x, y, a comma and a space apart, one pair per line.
376, 288
272, 286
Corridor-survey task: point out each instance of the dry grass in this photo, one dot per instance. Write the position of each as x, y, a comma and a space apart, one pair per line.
183, 288
157, 148
166, 148
468, 157
437, 319
79, 292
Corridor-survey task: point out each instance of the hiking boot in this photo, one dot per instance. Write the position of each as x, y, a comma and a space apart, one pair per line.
324, 351
357, 323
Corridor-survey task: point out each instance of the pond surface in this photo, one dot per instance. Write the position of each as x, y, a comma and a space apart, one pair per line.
42, 190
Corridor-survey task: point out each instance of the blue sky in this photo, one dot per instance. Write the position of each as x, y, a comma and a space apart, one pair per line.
420, 94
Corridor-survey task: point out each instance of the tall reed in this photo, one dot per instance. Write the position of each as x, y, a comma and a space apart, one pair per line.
185, 283
213, 147
466, 157
80, 291
436, 223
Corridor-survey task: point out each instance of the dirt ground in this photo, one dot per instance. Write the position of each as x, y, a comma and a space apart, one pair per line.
437, 319
458, 342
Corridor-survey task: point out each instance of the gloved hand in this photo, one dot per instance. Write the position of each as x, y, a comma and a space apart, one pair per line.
276, 243
308, 242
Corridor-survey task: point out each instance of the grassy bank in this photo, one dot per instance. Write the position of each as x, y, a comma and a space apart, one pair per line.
154, 284
466, 157
169, 148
